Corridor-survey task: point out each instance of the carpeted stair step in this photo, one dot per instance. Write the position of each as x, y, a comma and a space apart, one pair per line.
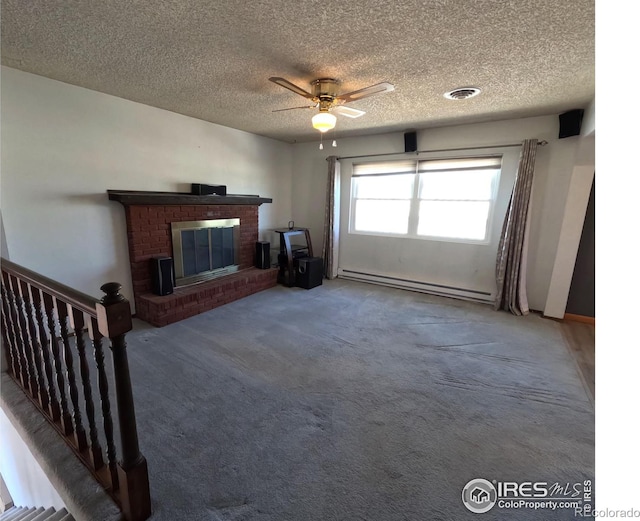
32, 515
44, 515
19, 515
11, 513
36, 514
8, 512
60, 515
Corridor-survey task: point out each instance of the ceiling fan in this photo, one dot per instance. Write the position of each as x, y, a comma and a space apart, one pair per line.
325, 98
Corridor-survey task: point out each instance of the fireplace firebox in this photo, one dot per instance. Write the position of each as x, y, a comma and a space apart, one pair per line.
203, 250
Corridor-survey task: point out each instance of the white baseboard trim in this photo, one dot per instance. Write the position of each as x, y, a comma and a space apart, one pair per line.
415, 285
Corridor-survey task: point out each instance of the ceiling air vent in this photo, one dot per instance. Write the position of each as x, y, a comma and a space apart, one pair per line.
462, 93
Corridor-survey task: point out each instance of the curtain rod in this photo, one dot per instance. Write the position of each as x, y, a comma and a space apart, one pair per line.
540, 143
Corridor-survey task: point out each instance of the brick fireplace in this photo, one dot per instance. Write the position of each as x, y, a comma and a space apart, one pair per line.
149, 216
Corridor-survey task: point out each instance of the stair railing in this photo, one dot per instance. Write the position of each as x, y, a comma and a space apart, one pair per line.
48, 330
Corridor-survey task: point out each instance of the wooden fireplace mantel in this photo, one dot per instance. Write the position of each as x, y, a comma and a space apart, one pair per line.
132, 197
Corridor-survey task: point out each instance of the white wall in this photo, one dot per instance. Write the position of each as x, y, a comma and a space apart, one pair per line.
554, 167
574, 213
25, 479
572, 223
64, 146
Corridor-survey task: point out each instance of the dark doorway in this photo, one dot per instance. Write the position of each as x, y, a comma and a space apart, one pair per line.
581, 299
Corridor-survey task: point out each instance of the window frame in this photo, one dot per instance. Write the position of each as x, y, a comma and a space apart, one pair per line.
413, 218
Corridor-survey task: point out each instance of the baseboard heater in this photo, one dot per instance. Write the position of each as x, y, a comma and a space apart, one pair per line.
416, 285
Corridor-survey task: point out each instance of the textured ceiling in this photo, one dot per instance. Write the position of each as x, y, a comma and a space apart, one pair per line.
212, 60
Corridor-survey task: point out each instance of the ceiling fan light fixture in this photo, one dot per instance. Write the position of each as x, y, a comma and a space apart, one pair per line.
323, 121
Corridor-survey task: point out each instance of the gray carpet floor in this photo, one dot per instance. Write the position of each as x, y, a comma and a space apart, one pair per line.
354, 402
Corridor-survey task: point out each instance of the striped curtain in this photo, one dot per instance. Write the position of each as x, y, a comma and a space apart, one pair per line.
511, 261
332, 220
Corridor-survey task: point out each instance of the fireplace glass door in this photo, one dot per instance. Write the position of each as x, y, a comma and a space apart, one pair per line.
205, 249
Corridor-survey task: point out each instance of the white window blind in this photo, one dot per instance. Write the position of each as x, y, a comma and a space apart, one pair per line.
440, 198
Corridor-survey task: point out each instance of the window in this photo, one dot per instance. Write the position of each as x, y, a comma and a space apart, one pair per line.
382, 200
446, 199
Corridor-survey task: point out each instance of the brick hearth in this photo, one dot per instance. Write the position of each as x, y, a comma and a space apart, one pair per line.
192, 300
149, 235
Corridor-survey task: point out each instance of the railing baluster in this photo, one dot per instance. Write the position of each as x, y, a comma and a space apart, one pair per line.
39, 316
76, 318
12, 307
65, 418
9, 336
114, 320
36, 347
54, 405
8, 362
78, 429
103, 385
24, 338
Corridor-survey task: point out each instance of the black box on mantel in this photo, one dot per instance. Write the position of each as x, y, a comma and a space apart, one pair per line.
200, 189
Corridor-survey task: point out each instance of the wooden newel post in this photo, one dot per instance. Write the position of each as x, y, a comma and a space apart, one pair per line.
114, 321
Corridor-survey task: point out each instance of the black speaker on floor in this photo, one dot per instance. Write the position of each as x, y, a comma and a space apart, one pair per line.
162, 275
263, 255
410, 141
570, 123
309, 271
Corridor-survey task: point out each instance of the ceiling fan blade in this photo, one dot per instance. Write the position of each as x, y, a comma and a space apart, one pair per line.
378, 88
294, 108
293, 88
348, 111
